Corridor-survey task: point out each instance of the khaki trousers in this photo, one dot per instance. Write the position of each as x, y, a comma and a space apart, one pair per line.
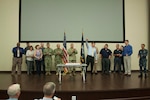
127, 64
16, 62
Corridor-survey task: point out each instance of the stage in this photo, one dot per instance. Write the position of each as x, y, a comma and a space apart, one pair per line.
96, 87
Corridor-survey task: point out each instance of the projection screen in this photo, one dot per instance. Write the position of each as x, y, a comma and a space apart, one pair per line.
47, 20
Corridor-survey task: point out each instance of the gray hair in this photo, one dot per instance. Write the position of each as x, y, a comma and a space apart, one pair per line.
13, 90
49, 88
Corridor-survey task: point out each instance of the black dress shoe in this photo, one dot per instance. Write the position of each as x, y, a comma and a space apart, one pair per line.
129, 75
145, 75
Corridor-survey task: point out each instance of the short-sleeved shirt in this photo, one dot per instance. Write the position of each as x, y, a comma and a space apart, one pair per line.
105, 53
117, 52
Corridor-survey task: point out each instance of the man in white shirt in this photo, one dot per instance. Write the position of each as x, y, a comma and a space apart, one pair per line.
91, 54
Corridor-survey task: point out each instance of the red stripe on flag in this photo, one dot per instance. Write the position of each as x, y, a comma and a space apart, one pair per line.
65, 55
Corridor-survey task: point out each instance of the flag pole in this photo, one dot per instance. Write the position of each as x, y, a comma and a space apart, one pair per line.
82, 58
65, 60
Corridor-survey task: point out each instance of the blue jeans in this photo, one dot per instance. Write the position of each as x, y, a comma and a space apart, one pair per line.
38, 66
117, 60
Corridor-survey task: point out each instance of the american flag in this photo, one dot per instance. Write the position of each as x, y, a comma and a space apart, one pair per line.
65, 54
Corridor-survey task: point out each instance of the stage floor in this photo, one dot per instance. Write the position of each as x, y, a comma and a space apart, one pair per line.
99, 82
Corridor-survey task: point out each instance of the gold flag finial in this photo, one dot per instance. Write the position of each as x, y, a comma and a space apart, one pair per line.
64, 31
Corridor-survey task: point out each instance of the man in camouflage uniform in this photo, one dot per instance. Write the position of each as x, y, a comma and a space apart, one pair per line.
72, 57
58, 56
142, 60
48, 52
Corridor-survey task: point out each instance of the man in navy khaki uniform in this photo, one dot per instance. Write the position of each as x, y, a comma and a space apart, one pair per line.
117, 58
142, 60
105, 55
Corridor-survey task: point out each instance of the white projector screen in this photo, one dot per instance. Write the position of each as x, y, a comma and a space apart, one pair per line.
47, 20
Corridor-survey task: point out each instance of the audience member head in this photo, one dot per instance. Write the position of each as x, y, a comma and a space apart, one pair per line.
117, 46
18, 44
142, 46
71, 45
37, 47
58, 46
106, 46
93, 44
126, 42
14, 91
49, 89
48, 45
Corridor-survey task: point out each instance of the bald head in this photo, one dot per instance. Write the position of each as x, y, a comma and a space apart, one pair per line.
14, 91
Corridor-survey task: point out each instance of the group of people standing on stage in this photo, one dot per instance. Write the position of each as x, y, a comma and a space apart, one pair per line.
122, 58
43, 58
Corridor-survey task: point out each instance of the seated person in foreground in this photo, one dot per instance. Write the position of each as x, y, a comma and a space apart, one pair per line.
14, 91
49, 90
